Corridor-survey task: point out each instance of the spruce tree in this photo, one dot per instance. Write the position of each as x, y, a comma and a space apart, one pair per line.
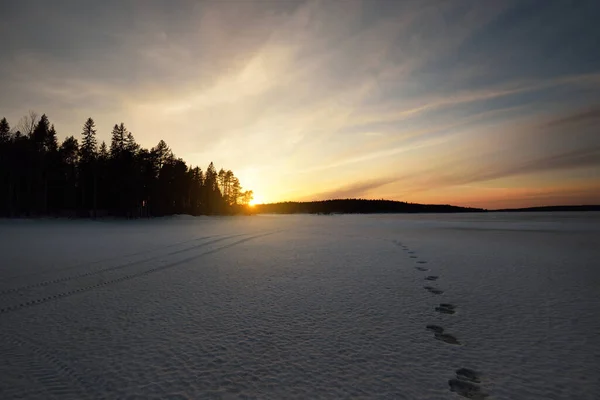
89, 145
4, 131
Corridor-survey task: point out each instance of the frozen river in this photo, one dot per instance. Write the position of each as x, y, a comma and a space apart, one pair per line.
306, 307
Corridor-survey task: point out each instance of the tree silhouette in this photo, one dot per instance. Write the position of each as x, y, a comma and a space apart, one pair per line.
89, 144
5, 167
88, 179
40, 177
4, 131
27, 123
69, 159
117, 143
358, 206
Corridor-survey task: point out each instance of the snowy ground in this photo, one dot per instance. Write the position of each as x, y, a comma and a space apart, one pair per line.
307, 307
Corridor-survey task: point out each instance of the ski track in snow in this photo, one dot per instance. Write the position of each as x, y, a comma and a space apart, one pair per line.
106, 269
477, 306
80, 287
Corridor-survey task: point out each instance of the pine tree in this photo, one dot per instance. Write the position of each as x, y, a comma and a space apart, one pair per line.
4, 131
69, 151
162, 154
103, 176
40, 132
130, 145
37, 176
51, 142
103, 153
69, 157
89, 145
5, 165
117, 142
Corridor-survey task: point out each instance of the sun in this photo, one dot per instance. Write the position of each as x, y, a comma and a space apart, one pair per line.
255, 201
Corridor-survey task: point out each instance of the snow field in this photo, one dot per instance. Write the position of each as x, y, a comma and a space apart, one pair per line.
403, 307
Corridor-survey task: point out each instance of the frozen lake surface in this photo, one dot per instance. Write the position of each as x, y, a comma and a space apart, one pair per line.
306, 307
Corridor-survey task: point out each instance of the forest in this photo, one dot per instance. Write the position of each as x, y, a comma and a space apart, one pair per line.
357, 206
83, 178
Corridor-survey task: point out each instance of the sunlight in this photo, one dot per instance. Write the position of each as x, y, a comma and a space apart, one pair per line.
256, 200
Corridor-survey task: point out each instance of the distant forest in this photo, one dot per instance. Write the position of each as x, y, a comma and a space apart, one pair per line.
356, 206
553, 208
80, 177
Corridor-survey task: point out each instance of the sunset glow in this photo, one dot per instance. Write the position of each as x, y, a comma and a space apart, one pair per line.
463, 102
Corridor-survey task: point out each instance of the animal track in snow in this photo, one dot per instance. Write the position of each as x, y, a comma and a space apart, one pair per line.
422, 269
431, 278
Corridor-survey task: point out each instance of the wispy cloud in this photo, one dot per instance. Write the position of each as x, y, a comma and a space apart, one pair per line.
325, 93
586, 116
452, 175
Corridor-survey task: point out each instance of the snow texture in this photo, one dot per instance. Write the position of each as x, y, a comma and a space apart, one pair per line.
480, 306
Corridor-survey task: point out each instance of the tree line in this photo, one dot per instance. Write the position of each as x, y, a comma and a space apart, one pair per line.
357, 206
80, 177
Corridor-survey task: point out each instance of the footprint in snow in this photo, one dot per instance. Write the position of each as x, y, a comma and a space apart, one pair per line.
438, 333
422, 269
435, 328
447, 338
467, 389
446, 308
466, 384
413, 256
421, 262
431, 278
466, 374
433, 290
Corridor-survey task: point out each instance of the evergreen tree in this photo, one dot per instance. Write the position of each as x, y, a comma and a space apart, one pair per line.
117, 143
103, 153
5, 167
40, 133
130, 145
89, 145
162, 154
69, 152
103, 176
38, 177
4, 131
69, 158
88, 174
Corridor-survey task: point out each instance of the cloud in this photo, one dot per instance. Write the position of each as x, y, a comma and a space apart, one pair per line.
447, 175
320, 91
587, 116
396, 112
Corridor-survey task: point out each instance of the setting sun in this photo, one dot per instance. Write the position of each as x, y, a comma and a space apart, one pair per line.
256, 200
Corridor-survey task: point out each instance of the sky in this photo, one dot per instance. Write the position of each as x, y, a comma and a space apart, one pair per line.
488, 104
